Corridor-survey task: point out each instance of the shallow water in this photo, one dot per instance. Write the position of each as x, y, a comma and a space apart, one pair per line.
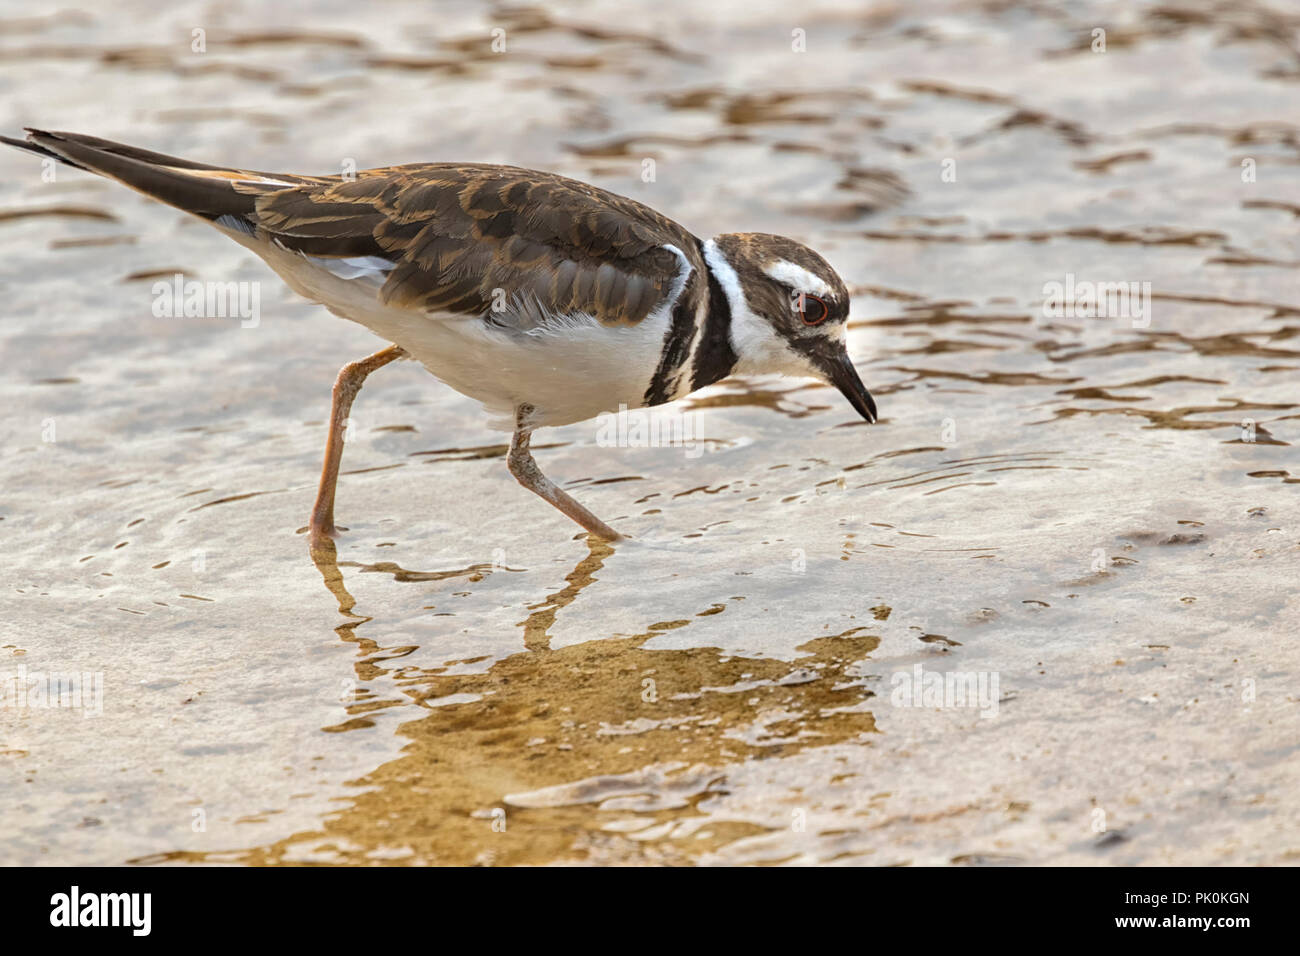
1096, 512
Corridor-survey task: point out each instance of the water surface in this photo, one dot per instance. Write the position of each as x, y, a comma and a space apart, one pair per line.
1097, 510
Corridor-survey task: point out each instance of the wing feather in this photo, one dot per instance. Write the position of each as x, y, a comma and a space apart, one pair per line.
458, 234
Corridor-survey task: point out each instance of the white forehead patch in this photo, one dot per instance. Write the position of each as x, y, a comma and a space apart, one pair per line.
797, 278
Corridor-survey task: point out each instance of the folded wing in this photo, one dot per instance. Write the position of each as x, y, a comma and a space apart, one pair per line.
464, 239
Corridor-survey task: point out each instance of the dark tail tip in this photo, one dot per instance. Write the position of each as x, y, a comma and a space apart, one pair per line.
31, 146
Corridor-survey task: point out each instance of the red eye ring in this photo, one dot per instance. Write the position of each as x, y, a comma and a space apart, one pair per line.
817, 314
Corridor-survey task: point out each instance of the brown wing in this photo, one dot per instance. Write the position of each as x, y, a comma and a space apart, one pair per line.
465, 236
456, 234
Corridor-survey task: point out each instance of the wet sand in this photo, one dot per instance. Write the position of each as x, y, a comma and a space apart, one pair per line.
1095, 513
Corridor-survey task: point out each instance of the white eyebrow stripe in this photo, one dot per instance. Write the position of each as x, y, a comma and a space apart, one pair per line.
797, 277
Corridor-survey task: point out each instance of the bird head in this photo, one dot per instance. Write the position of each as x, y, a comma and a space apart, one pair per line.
789, 311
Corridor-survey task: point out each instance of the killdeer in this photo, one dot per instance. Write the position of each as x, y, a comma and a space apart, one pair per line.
546, 299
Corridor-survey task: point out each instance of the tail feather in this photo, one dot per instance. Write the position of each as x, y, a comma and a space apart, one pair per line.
31, 147
198, 188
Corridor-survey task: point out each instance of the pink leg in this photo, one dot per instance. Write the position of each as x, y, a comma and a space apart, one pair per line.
345, 390
530, 476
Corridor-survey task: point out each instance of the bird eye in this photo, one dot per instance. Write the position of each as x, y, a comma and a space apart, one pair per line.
814, 311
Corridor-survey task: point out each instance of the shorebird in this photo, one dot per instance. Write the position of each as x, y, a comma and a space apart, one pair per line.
546, 299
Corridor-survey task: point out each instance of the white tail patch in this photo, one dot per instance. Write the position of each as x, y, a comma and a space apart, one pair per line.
354, 267
237, 223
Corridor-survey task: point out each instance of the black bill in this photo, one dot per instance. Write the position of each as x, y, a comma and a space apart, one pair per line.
839, 370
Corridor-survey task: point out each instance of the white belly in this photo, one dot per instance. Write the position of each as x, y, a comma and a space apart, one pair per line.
567, 376
568, 373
